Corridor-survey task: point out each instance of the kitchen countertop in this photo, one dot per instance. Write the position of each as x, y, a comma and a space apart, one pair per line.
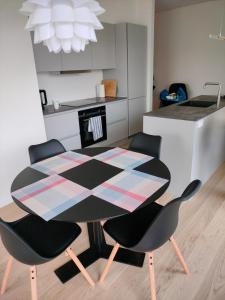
77, 104
175, 111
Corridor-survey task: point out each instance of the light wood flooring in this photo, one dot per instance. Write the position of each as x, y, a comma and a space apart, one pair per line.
200, 235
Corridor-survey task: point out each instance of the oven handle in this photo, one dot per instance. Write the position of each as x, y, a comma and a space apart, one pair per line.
93, 117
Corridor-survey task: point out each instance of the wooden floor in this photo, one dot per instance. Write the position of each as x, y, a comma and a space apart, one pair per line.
200, 235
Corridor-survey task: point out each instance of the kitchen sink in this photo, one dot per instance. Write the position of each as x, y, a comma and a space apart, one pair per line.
196, 103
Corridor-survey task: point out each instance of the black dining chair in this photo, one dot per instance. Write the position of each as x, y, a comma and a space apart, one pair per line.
32, 241
147, 229
146, 144
45, 150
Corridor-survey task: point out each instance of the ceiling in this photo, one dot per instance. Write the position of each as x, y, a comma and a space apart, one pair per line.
171, 4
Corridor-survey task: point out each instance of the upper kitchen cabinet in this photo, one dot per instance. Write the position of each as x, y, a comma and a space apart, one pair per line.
131, 60
137, 58
77, 61
46, 61
104, 50
97, 56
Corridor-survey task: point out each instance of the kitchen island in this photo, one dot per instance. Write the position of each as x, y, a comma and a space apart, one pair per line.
193, 140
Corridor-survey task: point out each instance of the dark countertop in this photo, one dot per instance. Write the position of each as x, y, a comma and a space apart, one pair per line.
77, 104
187, 113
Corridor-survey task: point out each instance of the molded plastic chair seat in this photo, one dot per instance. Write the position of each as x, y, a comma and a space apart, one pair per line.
129, 229
48, 239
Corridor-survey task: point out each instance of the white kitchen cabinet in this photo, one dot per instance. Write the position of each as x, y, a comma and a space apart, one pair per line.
117, 121
116, 111
71, 143
137, 107
65, 128
131, 60
103, 51
117, 131
46, 61
77, 61
96, 56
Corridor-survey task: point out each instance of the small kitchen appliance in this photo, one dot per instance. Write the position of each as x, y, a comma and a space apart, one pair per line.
44, 100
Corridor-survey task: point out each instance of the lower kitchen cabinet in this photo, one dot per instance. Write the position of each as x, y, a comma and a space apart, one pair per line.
117, 121
137, 107
64, 126
117, 131
71, 143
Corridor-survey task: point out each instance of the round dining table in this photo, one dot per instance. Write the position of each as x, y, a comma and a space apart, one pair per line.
94, 208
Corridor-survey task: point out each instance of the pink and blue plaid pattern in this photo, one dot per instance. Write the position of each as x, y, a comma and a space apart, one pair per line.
51, 196
129, 189
123, 159
60, 163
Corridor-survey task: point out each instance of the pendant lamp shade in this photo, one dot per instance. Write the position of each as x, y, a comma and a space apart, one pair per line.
67, 25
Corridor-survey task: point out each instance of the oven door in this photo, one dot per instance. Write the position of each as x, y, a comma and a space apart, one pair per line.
84, 119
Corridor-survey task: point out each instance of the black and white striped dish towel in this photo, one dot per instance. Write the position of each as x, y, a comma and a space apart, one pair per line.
95, 126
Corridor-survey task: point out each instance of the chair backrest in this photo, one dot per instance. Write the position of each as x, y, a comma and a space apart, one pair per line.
45, 150
17, 247
165, 224
146, 144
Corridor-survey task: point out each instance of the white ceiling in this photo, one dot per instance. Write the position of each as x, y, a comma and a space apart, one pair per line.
171, 4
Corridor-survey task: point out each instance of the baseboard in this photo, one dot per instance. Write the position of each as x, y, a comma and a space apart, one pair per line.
5, 203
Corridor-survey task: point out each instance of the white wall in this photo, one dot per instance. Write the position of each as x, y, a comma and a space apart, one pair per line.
183, 50
69, 87
21, 120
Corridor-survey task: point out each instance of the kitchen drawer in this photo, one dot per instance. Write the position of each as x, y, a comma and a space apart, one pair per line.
71, 143
117, 131
60, 126
116, 112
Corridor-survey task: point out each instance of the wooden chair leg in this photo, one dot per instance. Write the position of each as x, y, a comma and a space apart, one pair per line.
6, 275
179, 255
80, 266
33, 280
110, 260
152, 276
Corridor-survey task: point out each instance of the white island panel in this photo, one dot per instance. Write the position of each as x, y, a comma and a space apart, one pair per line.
190, 149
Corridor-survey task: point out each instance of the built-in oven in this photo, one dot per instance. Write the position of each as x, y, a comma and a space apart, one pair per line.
92, 125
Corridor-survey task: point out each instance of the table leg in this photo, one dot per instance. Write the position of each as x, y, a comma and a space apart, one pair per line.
98, 249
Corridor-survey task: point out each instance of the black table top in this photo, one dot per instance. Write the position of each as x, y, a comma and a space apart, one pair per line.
90, 175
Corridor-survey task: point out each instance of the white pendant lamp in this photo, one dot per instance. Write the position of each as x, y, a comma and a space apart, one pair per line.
67, 25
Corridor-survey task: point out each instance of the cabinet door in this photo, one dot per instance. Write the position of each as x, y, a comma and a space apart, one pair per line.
137, 107
137, 60
62, 125
72, 143
104, 49
46, 61
116, 112
120, 72
77, 61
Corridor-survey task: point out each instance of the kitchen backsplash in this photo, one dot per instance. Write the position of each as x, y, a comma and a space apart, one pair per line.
69, 87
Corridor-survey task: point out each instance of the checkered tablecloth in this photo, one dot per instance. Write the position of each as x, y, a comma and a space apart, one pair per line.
51, 196
112, 174
60, 163
129, 189
123, 158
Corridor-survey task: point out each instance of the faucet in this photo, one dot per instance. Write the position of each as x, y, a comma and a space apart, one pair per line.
219, 90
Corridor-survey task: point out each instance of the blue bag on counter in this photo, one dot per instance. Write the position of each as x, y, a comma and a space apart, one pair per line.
163, 95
